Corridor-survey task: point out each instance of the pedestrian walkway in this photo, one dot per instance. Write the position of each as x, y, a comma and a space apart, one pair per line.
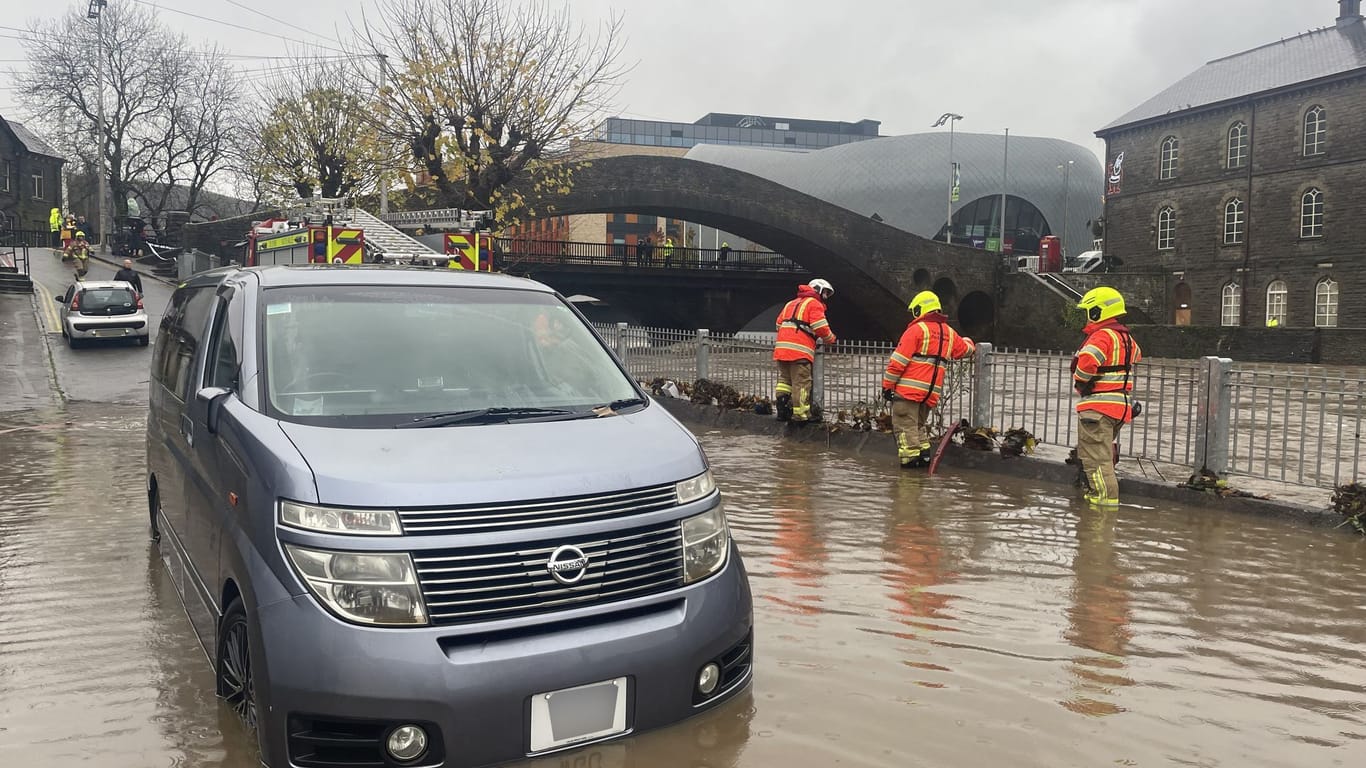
24, 371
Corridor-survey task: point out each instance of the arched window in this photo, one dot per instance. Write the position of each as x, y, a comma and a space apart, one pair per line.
1311, 213
1237, 145
1326, 304
1235, 220
1231, 305
1276, 295
1166, 229
1315, 131
1167, 167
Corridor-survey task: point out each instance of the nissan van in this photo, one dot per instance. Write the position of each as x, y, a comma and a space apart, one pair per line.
425, 518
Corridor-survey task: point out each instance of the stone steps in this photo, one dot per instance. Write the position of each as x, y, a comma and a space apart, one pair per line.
14, 282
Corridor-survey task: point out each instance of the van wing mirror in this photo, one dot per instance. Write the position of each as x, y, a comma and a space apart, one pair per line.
213, 398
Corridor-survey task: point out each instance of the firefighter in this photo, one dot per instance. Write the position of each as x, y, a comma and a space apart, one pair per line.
1102, 373
800, 323
915, 375
79, 252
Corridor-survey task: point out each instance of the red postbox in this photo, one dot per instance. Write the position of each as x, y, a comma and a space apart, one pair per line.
1050, 254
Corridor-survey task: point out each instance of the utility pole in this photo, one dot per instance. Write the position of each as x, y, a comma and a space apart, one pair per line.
93, 12
384, 165
950, 118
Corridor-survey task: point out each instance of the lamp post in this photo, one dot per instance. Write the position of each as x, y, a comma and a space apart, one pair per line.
950, 118
93, 12
1066, 169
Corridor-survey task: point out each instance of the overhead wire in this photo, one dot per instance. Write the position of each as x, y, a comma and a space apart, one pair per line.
223, 23
268, 17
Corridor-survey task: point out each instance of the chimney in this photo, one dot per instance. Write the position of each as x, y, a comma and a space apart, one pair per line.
1349, 13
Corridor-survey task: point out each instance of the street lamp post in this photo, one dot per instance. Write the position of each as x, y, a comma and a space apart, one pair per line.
93, 12
1066, 169
950, 118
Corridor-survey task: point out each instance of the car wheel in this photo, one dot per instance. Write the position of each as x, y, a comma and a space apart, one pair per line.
143, 341
73, 342
154, 513
236, 684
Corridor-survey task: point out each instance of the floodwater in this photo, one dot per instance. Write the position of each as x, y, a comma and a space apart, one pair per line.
962, 620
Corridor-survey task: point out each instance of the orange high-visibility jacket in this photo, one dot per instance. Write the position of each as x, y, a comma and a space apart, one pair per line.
916, 369
1102, 370
799, 324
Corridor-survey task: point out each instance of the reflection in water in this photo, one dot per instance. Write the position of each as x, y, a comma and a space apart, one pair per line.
960, 620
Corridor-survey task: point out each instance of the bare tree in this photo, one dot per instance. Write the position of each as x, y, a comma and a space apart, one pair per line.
487, 96
312, 135
163, 101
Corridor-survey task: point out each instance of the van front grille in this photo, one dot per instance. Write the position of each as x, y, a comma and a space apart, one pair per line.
486, 583
529, 514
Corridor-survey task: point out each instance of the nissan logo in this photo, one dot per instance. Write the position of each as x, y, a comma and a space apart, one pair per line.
567, 564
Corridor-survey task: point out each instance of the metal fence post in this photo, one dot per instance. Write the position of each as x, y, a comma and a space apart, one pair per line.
703, 354
818, 378
621, 345
981, 385
1212, 415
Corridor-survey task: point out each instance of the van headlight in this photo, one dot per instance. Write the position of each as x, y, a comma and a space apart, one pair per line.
695, 488
356, 522
706, 540
364, 587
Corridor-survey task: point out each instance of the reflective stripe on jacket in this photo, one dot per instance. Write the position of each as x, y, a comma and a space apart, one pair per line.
1102, 371
799, 324
916, 369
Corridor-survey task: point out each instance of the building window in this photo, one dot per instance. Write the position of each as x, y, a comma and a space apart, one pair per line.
5, 170
1231, 306
1315, 131
1166, 229
1311, 214
37, 186
1326, 304
1276, 294
1167, 168
1235, 220
1237, 145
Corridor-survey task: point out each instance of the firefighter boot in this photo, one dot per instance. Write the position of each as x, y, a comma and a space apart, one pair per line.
907, 454
926, 451
1098, 495
783, 405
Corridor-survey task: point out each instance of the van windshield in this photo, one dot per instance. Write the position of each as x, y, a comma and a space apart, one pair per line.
382, 356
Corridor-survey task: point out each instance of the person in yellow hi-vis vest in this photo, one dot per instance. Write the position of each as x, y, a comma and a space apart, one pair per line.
54, 222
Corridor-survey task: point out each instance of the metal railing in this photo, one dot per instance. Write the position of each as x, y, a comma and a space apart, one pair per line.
1292, 424
516, 251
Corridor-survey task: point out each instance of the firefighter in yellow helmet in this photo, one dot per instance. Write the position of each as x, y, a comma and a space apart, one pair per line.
79, 252
915, 375
1103, 375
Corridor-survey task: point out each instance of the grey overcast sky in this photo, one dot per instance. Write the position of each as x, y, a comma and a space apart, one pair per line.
1059, 68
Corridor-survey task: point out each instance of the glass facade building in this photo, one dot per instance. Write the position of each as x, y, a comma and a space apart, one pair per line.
736, 130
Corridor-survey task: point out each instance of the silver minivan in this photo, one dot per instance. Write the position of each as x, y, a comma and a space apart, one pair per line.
426, 518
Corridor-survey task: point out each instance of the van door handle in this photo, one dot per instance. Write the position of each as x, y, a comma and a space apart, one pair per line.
187, 428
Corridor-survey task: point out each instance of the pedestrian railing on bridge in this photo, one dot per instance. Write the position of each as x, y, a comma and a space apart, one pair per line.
516, 252
1293, 424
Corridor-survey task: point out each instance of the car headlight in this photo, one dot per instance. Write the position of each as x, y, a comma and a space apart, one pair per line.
357, 522
364, 587
706, 540
695, 488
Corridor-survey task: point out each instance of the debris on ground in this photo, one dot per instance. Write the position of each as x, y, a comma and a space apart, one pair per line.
1206, 481
707, 392
1350, 502
1017, 442
980, 439
662, 387
861, 418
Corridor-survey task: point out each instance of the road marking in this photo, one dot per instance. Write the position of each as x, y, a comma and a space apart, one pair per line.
47, 309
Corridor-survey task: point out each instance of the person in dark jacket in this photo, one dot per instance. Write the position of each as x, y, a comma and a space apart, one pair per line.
128, 275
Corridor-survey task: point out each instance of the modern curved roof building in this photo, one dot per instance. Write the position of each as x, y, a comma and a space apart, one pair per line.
904, 180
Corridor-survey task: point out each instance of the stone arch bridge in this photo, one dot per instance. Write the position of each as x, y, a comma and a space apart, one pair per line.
876, 268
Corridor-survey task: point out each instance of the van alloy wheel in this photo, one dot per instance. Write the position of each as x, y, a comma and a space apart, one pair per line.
235, 682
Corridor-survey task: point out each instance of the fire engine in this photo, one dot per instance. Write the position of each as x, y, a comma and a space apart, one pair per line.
464, 240
318, 231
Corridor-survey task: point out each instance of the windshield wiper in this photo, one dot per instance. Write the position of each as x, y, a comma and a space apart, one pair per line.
483, 415
617, 406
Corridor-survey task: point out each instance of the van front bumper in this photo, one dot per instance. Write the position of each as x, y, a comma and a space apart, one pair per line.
473, 685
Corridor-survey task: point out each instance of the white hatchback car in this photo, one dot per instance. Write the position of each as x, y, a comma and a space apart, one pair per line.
105, 309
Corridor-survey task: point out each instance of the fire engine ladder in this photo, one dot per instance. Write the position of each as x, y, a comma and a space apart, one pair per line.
386, 239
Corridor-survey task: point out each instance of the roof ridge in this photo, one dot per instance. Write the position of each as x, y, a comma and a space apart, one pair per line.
1282, 41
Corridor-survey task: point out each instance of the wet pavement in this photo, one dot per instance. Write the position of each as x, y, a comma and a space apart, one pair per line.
964, 620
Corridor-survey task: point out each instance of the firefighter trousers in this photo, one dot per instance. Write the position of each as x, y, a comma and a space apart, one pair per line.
1096, 434
794, 380
910, 426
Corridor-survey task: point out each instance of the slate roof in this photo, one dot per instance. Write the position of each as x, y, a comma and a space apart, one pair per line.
31, 141
1311, 56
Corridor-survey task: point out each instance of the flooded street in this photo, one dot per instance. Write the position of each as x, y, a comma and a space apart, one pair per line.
963, 620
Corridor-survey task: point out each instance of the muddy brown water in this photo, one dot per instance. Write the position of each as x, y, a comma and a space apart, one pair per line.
963, 620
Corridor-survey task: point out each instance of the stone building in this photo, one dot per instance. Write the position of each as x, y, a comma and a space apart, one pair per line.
1242, 185
30, 178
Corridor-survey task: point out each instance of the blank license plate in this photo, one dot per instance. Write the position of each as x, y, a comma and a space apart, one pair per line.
110, 332
575, 715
